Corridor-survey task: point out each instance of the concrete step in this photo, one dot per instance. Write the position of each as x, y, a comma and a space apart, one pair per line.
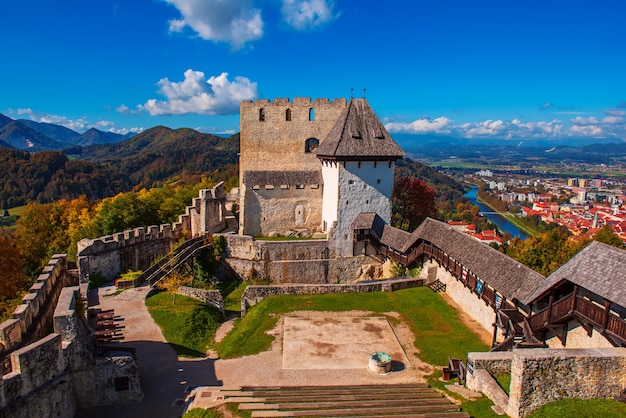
344, 404
381, 411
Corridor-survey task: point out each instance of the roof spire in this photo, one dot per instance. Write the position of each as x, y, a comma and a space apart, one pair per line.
364, 89
351, 92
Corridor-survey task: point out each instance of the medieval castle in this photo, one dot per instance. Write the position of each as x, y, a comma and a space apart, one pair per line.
324, 169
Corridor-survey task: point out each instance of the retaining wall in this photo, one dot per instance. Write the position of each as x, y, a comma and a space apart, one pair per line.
211, 297
255, 294
302, 262
542, 375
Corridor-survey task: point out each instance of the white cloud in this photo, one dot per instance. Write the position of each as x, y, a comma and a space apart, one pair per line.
123, 109
78, 125
196, 94
615, 112
232, 21
439, 125
124, 131
307, 14
592, 120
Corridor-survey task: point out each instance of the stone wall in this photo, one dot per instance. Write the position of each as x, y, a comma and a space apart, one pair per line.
469, 301
255, 294
540, 376
211, 297
32, 318
274, 135
39, 382
137, 249
304, 261
115, 254
577, 337
62, 372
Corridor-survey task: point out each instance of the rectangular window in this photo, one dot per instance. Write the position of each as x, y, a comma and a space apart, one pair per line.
350, 181
122, 383
269, 187
284, 186
255, 187
315, 186
378, 181
299, 186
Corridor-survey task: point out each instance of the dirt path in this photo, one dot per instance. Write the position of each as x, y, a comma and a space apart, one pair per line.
164, 377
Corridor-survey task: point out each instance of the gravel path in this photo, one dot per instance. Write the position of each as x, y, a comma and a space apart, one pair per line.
164, 377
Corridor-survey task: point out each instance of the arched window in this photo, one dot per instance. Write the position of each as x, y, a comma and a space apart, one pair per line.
311, 114
311, 144
261, 115
288, 115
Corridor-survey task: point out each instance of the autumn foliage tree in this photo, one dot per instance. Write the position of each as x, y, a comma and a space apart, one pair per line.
413, 201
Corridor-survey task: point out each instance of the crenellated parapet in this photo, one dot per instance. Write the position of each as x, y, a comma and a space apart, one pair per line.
136, 249
61, 372
30, 318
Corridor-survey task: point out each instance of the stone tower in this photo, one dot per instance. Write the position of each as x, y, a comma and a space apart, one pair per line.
358, 158
280, 176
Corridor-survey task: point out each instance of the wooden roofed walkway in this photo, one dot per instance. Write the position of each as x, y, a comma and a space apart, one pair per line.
403, 400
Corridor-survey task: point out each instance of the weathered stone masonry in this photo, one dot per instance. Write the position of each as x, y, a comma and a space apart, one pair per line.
32, 318
540, 376
61, 372
137, 249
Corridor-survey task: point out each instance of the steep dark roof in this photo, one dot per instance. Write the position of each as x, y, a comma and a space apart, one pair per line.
359, 134
599, 268
509, 277
282, 177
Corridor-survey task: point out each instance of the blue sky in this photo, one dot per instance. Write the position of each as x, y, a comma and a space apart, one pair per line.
495, 69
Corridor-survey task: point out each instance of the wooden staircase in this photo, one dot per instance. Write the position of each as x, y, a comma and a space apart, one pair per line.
408, 400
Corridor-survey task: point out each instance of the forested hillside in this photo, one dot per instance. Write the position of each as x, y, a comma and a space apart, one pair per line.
162, 155
155, 157
48, 176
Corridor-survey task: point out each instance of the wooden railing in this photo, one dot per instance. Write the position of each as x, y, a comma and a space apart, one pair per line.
596, 315
560, 310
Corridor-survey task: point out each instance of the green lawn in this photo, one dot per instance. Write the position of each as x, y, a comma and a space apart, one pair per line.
591, 408
187, 324
439, 331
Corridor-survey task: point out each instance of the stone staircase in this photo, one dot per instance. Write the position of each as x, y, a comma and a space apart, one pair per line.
407, 400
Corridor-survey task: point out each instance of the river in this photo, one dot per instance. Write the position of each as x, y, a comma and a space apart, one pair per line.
503, 224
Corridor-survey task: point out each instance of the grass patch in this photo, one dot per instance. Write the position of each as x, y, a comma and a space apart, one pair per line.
439, 331
504, 380
579, 408
187, 324
232, 301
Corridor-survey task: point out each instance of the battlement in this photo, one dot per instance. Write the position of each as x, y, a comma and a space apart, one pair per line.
30, 312
296, 102
136, 249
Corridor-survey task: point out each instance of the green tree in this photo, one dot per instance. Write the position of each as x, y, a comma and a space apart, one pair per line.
607, 236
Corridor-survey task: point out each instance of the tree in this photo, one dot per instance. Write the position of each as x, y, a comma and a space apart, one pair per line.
413, 202
12, 277
607, 236
172, 282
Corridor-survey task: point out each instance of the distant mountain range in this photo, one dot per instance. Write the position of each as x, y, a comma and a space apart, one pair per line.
152, 158
27, 135
429, 148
